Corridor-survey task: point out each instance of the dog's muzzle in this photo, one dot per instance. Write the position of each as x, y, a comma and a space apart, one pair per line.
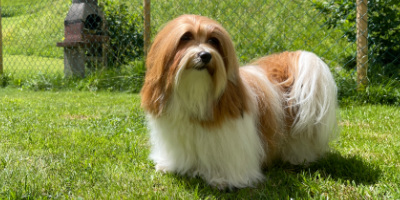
204, 58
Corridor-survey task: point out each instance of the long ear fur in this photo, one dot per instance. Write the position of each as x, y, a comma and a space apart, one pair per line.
163, 59
159, 77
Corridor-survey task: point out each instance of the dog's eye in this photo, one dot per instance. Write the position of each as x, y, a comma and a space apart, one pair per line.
186, 37
213, 41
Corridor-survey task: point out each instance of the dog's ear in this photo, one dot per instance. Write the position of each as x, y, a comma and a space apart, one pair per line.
229, 54
159, 63
153, 93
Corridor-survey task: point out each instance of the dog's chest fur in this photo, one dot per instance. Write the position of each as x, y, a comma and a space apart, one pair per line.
232, 151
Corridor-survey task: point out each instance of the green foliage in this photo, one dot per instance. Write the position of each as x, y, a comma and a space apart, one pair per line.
42, 82
259, 27
384, 91
288, 25
126, 37
4, 79
125, 78
383, 29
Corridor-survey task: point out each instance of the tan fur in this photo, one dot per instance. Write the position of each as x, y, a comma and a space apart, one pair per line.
163, 59
209, 118
269, 122
280, 68
162, 65
232, 104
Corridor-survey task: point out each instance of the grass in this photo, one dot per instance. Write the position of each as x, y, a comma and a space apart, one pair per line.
33, 27
12, 8
94, 145
21, 66
127, 78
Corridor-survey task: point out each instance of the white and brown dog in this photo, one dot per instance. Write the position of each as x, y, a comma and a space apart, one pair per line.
209, 118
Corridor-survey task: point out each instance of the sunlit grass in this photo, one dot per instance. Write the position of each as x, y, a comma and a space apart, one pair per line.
95, 146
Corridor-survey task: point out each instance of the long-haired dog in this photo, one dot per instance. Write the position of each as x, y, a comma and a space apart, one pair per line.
209, 118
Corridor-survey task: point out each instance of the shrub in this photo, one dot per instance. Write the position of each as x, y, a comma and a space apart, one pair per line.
127, 78
383, 91
5, 80
124, 30
383, 29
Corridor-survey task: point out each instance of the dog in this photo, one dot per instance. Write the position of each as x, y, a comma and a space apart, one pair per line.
209, 118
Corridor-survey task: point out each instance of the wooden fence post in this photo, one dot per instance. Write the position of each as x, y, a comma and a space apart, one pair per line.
362, 44
146, 34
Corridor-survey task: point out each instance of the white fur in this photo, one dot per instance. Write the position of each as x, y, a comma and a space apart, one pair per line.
227, 156
314, 96
231, 155
195, 94
274, 98
191, 60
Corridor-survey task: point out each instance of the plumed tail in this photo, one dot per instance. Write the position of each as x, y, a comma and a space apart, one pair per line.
312, 100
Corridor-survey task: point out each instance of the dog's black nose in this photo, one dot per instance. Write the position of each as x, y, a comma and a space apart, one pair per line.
205, 57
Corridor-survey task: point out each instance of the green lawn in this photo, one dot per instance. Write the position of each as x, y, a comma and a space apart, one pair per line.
33, 27
85, 145
22, 66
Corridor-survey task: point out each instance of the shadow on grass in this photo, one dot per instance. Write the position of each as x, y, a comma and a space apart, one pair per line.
347, 168
285, 181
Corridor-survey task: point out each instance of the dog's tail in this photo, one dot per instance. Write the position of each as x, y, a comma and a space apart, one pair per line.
312, 100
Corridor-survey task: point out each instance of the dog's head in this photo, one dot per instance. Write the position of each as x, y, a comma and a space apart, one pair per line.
192, 56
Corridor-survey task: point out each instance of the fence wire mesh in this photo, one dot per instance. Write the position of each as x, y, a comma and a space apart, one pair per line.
32, 29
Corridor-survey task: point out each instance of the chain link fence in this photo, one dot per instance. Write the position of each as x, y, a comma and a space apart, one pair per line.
46, 36
34, 32
262, 27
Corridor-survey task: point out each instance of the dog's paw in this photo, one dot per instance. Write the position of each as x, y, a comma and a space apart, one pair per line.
221, 186
161, 169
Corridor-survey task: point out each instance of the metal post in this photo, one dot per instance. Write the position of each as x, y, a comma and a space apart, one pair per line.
147, 35
362, 44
